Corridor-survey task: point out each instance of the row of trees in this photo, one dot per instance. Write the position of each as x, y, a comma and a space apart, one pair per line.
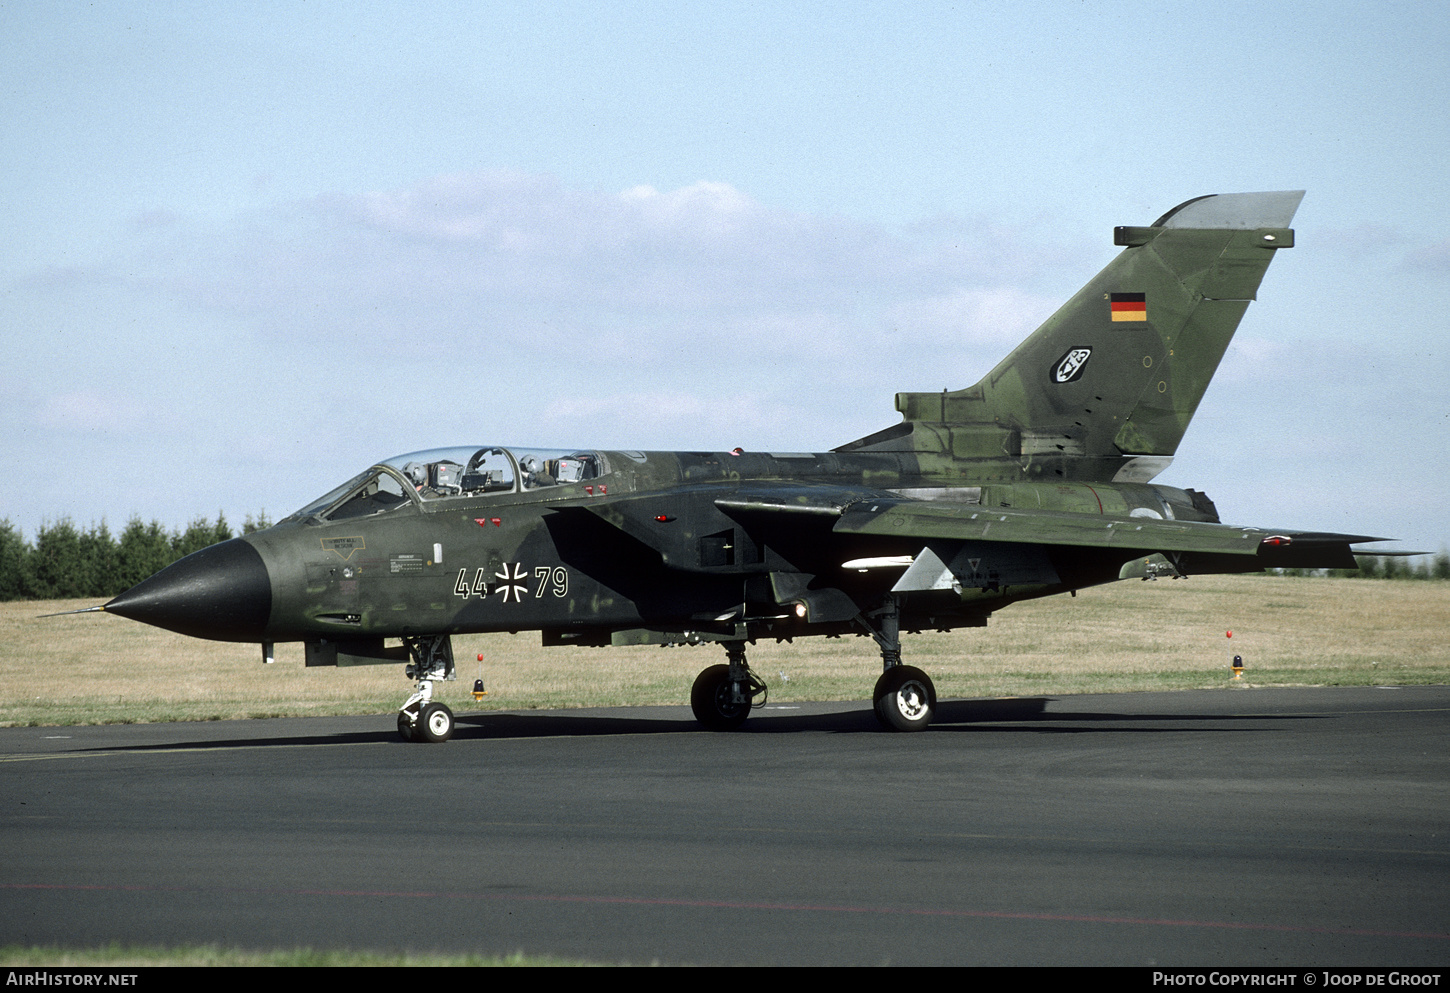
1385, 567
66, 562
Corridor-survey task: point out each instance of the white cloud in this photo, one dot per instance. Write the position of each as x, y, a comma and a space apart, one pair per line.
515, 239
1432, 259
511, 277
998, 315
704, 206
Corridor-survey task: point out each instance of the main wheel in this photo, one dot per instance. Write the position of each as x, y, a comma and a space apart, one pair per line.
711, 700
407, 728
905, 699
435, 723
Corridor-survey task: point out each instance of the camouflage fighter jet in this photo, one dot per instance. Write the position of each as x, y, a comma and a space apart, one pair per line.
1035, 481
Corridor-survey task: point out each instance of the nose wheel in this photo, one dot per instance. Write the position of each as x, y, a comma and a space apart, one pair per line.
419, 718
723, 694
432, 722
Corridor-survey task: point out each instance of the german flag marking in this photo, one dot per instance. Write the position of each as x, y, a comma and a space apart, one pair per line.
1128, 306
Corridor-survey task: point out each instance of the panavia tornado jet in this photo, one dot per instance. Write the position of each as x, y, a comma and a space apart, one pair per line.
1036, 481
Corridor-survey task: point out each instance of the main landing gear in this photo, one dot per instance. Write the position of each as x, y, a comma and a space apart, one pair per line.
904, 697
420, 719
723, 694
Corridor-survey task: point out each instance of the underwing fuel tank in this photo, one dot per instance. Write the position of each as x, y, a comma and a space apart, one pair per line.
222, 592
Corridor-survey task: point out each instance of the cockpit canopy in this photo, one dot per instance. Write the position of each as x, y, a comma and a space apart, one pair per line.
446, 474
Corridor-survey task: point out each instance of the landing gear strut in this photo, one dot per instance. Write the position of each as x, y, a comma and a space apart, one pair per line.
419, 718
723, 694
904, 698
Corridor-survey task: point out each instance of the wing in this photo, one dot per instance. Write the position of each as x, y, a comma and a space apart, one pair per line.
1199, 547
1056, 542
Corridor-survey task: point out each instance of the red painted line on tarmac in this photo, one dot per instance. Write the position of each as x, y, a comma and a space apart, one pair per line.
749, 905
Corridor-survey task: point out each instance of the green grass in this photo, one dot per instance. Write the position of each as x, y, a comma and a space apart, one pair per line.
1128, 636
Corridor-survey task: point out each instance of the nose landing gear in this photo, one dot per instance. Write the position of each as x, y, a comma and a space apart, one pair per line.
723, 694
419, 718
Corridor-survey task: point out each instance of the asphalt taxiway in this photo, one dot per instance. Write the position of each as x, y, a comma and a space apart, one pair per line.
1271, 826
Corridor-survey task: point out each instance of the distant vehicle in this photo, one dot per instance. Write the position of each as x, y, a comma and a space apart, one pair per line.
1035, 481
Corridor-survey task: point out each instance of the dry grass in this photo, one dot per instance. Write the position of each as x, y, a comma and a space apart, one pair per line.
121, 956
97, 668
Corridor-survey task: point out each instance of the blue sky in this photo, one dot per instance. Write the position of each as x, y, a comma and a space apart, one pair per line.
250, 249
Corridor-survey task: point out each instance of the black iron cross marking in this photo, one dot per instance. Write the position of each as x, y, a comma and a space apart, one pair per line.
511, 583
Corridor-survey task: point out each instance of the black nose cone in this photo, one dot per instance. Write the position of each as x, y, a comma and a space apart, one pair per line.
222, 592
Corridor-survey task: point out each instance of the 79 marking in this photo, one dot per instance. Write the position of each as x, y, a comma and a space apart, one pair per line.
558, 576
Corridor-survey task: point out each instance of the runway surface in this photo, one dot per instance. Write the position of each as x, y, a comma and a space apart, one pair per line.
1279, 827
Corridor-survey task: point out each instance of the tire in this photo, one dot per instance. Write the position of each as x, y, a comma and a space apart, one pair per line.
407, 729
905, 699
435, 723
710, 700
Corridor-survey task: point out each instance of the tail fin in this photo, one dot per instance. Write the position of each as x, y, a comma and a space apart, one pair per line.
1106, 387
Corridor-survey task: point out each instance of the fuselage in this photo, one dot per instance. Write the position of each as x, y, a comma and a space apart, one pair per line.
600, 547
